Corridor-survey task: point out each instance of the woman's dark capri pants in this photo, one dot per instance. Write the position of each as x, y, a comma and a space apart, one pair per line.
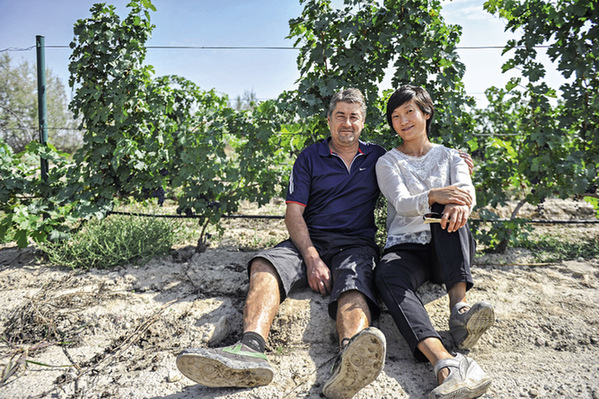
350, 258
405, 267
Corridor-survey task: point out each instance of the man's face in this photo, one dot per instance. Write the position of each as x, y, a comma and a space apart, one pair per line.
346, 123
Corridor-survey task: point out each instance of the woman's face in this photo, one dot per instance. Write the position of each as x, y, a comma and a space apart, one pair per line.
409, 121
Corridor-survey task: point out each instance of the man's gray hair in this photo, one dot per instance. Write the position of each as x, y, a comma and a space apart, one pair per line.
352, 96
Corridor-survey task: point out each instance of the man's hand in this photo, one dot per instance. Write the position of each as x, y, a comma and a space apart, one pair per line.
466, 157
319, 275
449, 195
454, 217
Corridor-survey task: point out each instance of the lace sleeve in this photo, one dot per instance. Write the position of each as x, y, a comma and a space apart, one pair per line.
397, 193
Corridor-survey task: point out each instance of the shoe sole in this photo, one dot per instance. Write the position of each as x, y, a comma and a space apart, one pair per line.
212, 370
466, 392
361, 364
477, 325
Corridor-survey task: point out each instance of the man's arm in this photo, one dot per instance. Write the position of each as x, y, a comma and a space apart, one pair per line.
468, 159
319, 275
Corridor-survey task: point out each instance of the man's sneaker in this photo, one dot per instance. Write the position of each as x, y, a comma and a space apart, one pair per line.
357, 365
467, 327
466, 379
232, 366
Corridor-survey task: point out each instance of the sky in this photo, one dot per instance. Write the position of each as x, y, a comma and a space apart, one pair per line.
261, 23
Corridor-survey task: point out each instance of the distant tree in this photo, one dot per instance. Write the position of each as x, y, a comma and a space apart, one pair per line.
245, 102
19, 108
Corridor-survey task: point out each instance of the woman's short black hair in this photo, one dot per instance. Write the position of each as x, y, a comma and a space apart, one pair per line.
407, 93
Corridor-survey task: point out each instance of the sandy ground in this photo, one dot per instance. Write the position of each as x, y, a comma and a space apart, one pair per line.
116, 333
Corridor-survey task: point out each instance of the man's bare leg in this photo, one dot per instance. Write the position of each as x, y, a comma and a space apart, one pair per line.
457, 294
361, 359
263, 298
240, 365
353, 315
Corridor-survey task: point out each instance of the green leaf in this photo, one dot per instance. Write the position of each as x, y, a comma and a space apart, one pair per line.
21, 238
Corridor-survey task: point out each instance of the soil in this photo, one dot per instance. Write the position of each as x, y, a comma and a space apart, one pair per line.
116, 333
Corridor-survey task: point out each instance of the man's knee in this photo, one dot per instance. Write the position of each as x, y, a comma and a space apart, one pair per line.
352, 299
265, 278
262, 265
353, 307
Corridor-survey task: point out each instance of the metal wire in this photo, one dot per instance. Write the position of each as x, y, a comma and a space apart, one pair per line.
529, 221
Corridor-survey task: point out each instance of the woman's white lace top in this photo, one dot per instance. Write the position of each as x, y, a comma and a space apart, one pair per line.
405, 182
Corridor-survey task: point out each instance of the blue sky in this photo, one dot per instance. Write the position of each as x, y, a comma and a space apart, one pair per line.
235, 23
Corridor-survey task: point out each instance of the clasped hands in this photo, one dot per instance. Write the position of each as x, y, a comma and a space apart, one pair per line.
457, 203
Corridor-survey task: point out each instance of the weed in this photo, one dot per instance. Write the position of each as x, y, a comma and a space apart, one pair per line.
547, 248
113, 241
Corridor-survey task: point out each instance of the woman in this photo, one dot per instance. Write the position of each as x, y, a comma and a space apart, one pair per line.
418, 177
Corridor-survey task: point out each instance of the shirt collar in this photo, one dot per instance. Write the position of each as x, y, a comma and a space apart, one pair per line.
324, 150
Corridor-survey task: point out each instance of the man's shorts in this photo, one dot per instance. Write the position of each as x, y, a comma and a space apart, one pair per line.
351, 260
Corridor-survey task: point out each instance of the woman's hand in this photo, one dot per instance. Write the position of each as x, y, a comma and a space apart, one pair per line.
449, 195
454, 217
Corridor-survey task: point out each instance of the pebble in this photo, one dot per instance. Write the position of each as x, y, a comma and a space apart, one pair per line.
214, 333
173, 376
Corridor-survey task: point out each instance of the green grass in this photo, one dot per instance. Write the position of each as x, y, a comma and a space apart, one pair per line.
116, 240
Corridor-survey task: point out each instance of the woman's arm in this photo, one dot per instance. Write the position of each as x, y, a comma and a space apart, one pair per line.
460, 197
396, 192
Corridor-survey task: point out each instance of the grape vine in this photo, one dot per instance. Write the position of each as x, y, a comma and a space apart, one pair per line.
162, 138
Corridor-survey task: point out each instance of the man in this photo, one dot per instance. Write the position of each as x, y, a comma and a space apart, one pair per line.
330, 218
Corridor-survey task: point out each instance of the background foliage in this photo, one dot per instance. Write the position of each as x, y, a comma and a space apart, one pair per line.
163, 137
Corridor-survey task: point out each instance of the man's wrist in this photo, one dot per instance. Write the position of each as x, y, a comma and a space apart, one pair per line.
310, 255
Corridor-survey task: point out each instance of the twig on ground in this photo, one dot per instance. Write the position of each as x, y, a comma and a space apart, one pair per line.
513, 264
117, 352
131, 339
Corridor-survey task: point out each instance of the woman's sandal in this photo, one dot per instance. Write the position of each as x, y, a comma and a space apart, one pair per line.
465, 380
467, 327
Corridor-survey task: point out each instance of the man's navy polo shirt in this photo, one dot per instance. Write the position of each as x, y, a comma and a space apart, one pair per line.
337, 200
